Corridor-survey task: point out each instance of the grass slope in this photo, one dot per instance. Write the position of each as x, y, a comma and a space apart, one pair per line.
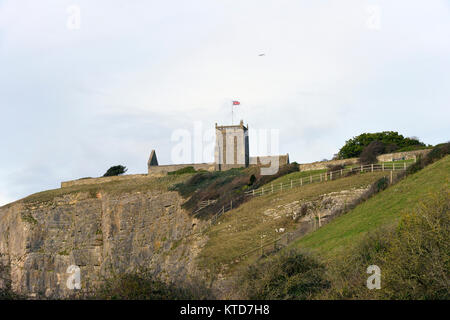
240, 230
382, 209
114, 187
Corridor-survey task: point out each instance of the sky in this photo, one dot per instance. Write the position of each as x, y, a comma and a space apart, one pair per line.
85, 85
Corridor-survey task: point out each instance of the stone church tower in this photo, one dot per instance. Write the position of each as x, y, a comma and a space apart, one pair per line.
232, 147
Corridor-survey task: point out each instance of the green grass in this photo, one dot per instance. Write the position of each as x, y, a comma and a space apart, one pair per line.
383, 209
305, 174
240, 229
294, 176
113, 187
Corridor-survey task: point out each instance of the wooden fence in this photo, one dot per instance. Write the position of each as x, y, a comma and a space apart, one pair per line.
326, 176
267, 246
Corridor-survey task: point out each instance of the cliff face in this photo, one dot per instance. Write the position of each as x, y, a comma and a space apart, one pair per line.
100, 234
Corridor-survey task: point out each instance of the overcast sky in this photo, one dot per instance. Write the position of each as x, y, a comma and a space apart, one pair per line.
76, 99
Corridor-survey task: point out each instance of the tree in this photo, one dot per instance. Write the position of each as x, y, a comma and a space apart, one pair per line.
394, 140
370, 153
115, 171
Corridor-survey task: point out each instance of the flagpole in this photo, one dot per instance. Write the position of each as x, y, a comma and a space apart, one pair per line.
232, 112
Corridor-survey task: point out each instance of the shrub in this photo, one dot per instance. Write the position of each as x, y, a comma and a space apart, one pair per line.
414, 257
418, 260
370, 152
435, 154
115, 171
335, 167
142, 285
289, 275
392, 139
224, 186
184, 170
7, 294
252, 180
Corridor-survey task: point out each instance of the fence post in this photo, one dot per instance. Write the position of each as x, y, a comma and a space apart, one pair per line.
261, 246
341, 173
253, 192
320, 177
393, 166
382, 166
404, 165
291, 183
301, 181
271, 186
415, 159
361, 168
262, 191
331, 175
371, 167
391, 176
231, 205
281, 186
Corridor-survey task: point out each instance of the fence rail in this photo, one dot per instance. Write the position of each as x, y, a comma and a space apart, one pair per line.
294, 183
325, 176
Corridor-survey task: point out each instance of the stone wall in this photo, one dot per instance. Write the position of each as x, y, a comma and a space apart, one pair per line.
266, 160
85, 181
407, 155
163, 170
154, 171
325, 164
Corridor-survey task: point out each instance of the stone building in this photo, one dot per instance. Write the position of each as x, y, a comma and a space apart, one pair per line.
232, 147
231, 151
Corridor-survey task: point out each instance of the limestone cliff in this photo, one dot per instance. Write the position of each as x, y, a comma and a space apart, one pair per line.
98, 232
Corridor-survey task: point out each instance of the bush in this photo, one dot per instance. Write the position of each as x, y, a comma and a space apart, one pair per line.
252, 180
371, 151
290, 275
224, 186
184, 170
435, 154
335, 167
391, 139
414, 257
142, 285
417, 263
115, 171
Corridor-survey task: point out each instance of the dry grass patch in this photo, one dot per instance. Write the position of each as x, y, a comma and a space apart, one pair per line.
241, 229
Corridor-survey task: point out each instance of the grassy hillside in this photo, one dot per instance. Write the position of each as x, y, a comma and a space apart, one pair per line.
113, 187
383, 209
241, 229
305, 174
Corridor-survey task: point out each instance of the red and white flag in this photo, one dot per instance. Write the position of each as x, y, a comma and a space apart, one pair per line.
236, 103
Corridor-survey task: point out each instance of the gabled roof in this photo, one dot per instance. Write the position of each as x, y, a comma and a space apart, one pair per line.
152, 161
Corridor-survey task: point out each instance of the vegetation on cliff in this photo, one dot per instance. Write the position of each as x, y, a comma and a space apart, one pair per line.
404, 230
383, 209
391, 141
413, 256
224, 187
141, 284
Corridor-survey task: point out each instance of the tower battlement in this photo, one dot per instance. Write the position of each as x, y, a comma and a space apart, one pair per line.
232, 147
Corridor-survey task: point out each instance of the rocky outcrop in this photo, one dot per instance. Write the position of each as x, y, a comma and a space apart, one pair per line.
312, 214
100, 234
